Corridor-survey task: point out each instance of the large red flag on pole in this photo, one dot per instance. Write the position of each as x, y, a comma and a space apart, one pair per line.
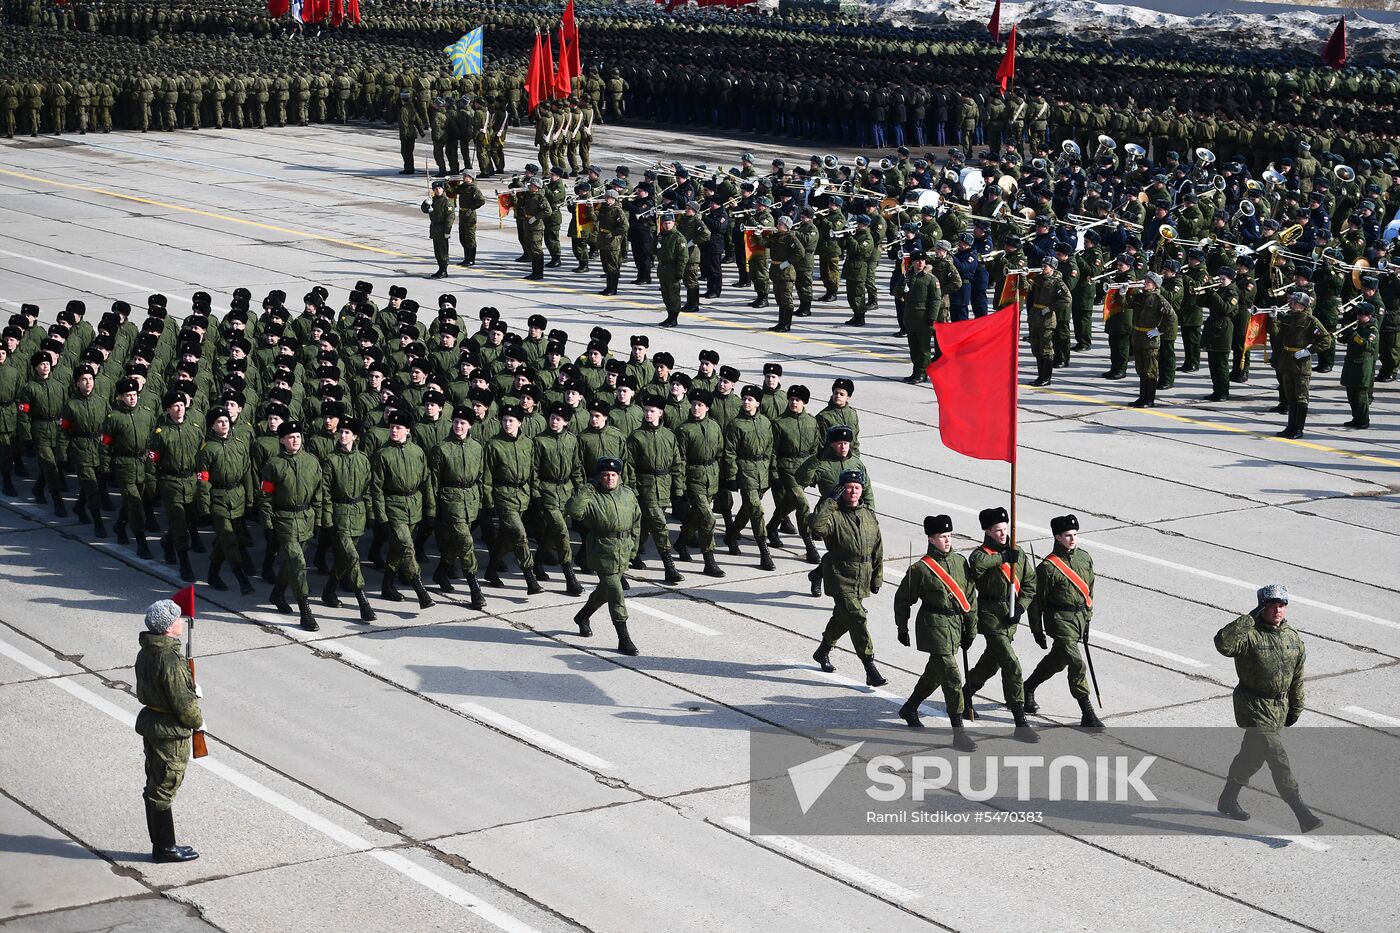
569, 34
994, 24
277, 8
547, 72
1006, 71
975, 378
534, 82
352, 10
1334, 53
563, 78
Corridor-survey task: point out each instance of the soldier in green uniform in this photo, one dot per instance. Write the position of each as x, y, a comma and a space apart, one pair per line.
1049, 299
854, 569
941, 584
830, 221
532, 213
225, 492
612, 518
289, 486
1218, 332
402, 495
748, 465
1063, 607
511, 476
169, 716
174, 445
83, 416
796, 438
861, 253
440, 210
347, 476
11, 381
40, 403
1118, 324
1150, 311
922, 299
655, 469
1005, 584
611, 226
785, 255
456, 466
411, 126
696, 233
125, 439
672, 255
558, 472
701, 444
1269, 661
1359, 366
1298, 337
469, 200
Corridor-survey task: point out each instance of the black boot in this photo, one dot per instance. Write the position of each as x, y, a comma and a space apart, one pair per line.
424, 600
1028, 703
442, 576
823, 657
1301, 418
961, 740
328, 597
7, 484
712, 569
477, 602
269, 555
672, 574
279, 600
624, 641
186, 571
99, 529
1141, 401
143, 550
532, 584
367, 613
815, 579
39, 496
216, 563
308, 621
120, 529
571, 585
539, 566
1229, 802
765, 559
1024, 732
1088, 718
59, 509
1152, 385
581, 620
1045, 369
682, 549
245, 586
388, 589
196, 542
636, 563
909, 712
80, 511
774, 541
167, 550
1289, 430
164, 850
1307, 820
493, 575
873, 677
536, 269
811, 557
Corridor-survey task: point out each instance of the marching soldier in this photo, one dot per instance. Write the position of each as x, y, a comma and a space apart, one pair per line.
345, 496
40, 404
83, 416
1150, 313
456, 466
290, 486
796, 437
402, 496
469, 200
559, 471
225, 492
1218, 332
748, 463
655, 467
125, 439
1298, 336
672, 256
612, 517
785, 255
922, 300
174, 445
854, 569
169, 717
1063, 607
941, 583
1269, 661
611, 227
411, 126
861, 251
701, 445
510, 475
1359, 366
533, 211
1005, 584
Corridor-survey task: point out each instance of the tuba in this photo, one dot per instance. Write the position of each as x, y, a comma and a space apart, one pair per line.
1204, 156
1106, 145
1134, 150
886, 164
1169, 233
1345, 174
830, 162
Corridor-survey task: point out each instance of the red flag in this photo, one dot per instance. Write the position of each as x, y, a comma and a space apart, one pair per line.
185, 600
1006, 71
1256, 332
276, 8
337, 12
352, 10
534, 75
1334, 53
563, 83
994, 24
548, 71
975, 379
568, 28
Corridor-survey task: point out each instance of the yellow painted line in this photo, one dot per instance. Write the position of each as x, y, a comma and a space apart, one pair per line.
799, 338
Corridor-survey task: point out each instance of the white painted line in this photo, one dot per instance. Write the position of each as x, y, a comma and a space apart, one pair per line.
1095, 634
1158, 561
92, 275
818, 859
1370, 714
1251, 827
636, 605
536, 737
809, 667
349, 654
296, 811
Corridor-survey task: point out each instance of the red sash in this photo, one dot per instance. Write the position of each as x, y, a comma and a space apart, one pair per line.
1006, 571
1073, 578
948, 581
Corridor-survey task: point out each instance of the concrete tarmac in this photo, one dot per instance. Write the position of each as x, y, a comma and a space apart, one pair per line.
451, 769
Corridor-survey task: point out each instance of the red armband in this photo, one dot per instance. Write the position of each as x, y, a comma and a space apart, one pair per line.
24, 408
204, 476
268, 487
106, 440
65, 423
153, 456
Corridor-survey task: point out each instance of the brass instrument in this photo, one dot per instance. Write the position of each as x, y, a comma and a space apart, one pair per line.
992, 254
759, 230
1104, 275
1134, 150
1207, 287
1344, 174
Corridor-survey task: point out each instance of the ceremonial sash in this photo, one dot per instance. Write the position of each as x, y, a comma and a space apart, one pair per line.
1006, 571
1073, 578
948, 581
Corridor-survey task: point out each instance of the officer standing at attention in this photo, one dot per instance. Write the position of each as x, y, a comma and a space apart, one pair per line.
609, 512
168, 719
440, 217
1269, 659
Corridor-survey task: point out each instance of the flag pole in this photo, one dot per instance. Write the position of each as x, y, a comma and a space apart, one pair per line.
1015, 447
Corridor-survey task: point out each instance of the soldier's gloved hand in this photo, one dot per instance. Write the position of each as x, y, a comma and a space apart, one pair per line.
785, 265
904, 635
1302, 354
199, 691
1292, 718
967, 640
1017, 613
1153, 334
1040, 641
1012, 555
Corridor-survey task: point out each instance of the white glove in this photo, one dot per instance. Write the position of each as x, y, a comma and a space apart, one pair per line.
1154, 332
1046, 310
426, 203
199, 691
689, 244
784, 265
1302, 354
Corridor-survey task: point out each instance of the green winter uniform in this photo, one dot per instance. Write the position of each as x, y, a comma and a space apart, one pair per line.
655, 469
224, 493
701, 444
748, 468
169, 715
346, 493
125, 437
457, 465
613, 522
512, 477
559, 471
995, 620
852, 570
1062, 612
945, 622
402, 495
173, 450
290, 487
1269, 662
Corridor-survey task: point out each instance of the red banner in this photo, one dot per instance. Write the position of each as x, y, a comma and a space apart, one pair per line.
975, 377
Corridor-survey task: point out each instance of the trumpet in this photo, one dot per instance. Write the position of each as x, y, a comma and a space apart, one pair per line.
1125, 286
992, 254
1104, 275
759, 229
743, 212
1207, 287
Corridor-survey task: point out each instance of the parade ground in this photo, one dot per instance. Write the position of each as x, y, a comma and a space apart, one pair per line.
448, 769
